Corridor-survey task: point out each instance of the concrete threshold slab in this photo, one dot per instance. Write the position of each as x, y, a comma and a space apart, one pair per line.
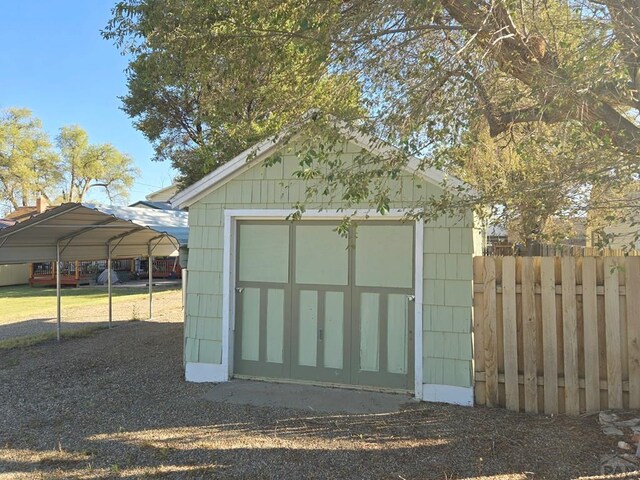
311, 398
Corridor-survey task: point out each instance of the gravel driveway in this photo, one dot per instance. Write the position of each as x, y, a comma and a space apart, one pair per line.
115, 405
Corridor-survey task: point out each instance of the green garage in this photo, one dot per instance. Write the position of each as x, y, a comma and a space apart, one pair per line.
386, 305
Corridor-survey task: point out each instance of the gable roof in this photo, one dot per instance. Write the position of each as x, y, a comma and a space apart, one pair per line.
164, 194
154, 205
261, 151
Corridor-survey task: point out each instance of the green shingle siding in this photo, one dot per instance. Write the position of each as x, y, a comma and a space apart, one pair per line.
449, 243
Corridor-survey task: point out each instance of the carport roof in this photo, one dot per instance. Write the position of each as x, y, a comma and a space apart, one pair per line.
83, 232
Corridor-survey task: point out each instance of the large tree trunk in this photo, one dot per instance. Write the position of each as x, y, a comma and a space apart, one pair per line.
528, 59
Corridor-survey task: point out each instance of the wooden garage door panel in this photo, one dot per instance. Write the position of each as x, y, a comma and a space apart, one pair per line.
316, 310
384, 256
263, 253
321, 256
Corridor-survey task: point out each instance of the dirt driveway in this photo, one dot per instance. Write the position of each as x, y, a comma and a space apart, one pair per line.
115, 405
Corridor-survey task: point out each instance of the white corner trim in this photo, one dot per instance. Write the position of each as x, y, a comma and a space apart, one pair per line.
448, 394
417, 329
205, 372
227, 292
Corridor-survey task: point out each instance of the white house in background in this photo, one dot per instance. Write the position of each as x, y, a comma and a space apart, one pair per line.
621, 235
164, 194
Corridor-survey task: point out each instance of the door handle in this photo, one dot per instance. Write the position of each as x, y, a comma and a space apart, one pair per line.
239, 289
411, 298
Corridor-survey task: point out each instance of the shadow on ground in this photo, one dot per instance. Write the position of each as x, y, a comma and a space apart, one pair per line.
115, 405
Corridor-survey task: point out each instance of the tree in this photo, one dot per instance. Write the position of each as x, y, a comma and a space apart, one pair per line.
556, 78
87, 166
536, 175
201, 92
28, 165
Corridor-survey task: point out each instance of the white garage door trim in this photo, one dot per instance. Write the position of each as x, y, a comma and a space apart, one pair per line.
223, 372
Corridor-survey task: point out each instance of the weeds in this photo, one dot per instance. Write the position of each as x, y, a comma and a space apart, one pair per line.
31, 340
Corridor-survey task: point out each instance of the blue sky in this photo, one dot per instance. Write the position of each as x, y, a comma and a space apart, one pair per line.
54, 62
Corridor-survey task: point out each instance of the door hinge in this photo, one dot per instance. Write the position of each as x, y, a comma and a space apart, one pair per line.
239, 289
411, 298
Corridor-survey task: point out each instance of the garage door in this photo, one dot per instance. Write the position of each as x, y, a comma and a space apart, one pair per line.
314, 306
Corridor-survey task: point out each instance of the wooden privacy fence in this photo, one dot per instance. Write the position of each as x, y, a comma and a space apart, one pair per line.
557, 335
543, 250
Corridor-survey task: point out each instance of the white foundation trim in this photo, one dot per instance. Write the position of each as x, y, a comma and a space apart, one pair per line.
228, 275
448, 394
205, 372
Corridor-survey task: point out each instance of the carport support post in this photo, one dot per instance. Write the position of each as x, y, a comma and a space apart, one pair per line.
150, 283
109, 283
58, 291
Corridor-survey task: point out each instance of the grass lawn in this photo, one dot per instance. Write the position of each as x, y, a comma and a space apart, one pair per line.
21, 302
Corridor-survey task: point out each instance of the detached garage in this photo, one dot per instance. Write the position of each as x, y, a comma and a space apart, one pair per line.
388, 306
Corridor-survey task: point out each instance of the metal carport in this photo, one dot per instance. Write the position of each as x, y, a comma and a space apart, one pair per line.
80, 231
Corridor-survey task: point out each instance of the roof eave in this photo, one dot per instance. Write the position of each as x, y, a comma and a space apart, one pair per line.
204, 186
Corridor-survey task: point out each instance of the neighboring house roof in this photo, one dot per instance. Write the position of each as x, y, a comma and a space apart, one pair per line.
264, 149
154, 205
164, 194
21, 214
5, 222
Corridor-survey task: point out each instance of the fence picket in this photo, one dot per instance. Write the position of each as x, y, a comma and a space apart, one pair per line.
632, 271
549, 334
590, 318
510, 335
570, 336
490, 335
530, 340
612, 328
